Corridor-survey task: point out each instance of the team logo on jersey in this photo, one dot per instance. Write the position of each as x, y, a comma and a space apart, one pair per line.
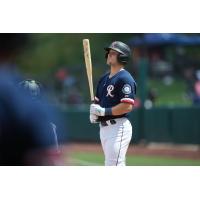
126, 89
110, 88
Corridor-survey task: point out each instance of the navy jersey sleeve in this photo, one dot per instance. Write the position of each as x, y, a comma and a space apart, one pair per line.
126, 90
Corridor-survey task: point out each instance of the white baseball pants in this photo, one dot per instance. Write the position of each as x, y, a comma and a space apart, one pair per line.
115, 139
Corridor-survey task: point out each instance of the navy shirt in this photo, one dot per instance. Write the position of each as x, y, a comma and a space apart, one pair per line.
120, 88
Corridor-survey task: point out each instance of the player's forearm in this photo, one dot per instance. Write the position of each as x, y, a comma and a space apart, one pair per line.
121, 109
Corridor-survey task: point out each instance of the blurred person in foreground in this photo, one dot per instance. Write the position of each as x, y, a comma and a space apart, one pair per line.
24, 124
34, 90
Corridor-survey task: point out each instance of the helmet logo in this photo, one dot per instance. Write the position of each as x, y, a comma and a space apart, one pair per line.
113, 45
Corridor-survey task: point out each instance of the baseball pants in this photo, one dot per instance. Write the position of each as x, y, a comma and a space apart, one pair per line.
115, 139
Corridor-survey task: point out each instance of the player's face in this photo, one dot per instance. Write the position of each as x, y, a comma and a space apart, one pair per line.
112, 57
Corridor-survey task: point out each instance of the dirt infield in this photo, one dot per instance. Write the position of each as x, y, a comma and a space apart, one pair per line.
166, 150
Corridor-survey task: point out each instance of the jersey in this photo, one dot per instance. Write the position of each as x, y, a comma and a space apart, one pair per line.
120, 88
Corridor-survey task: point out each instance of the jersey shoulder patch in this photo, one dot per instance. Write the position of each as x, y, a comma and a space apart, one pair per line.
126, 89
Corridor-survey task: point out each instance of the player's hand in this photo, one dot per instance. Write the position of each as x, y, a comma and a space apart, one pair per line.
93, 118
97, 110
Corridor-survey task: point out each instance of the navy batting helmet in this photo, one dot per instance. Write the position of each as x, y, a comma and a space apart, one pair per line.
31, 87
123, 50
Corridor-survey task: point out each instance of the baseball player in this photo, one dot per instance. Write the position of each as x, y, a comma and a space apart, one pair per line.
34, 90
114, 99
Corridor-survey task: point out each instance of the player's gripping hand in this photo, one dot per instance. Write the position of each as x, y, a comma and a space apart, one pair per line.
93, 118
97, 110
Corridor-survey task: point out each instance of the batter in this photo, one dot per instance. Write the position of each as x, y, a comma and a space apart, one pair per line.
114, 99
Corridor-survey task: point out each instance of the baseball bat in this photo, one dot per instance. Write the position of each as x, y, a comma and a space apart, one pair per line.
88, 64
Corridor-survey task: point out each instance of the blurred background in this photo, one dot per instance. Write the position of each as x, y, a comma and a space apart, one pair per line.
166, 67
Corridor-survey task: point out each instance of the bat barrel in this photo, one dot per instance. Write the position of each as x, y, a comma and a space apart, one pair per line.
88, 63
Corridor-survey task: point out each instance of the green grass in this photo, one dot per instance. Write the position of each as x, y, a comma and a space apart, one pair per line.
170, 94
97, 159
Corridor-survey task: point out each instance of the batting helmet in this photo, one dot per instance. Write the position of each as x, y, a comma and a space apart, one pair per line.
123, 50
31, 87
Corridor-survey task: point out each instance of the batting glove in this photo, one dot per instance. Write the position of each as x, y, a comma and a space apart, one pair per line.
99, 111
93, 118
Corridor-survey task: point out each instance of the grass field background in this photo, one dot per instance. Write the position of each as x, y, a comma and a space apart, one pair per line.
97, 159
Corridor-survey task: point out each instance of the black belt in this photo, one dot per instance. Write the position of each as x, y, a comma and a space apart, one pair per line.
104, 123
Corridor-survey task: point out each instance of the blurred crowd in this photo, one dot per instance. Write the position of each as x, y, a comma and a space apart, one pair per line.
67, 88
167, 63
192, 78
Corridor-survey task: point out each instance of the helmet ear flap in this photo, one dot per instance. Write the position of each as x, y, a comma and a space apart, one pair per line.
122, 58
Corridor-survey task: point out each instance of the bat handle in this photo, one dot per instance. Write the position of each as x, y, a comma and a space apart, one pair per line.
93, 99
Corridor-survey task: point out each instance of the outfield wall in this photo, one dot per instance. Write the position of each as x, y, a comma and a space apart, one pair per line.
176, 125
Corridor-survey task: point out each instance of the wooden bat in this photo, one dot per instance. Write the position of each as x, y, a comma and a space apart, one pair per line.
88, 64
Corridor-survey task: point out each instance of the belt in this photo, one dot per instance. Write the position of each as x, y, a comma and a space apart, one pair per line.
108, 122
